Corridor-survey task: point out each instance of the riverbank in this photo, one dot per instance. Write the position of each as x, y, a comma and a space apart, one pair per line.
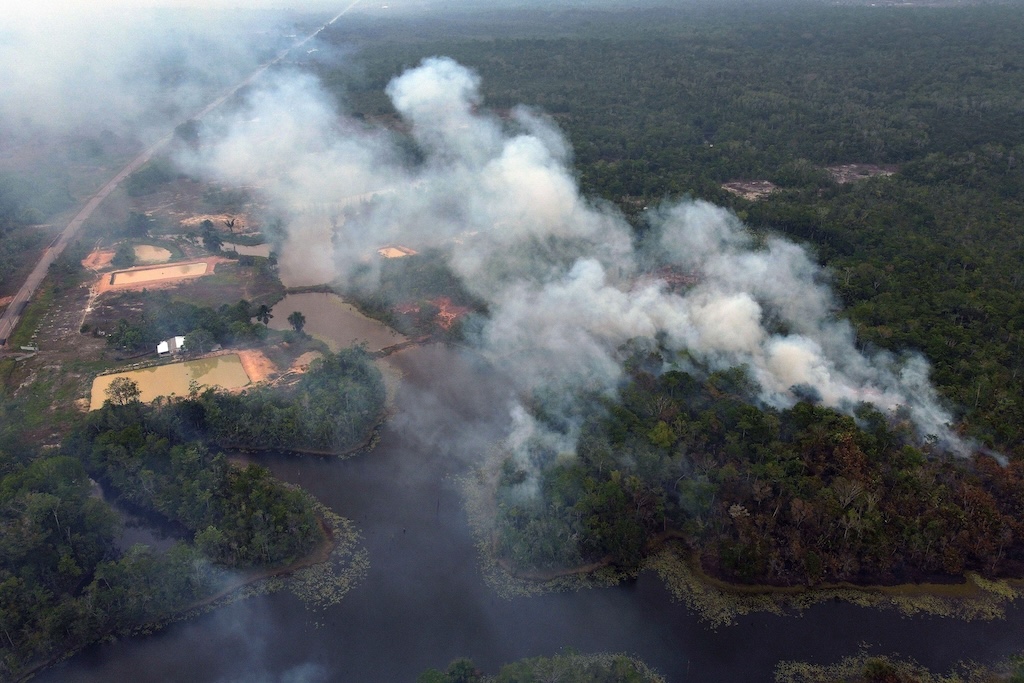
718, 601
336, 561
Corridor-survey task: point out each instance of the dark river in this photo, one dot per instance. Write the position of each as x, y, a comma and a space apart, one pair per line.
424, 603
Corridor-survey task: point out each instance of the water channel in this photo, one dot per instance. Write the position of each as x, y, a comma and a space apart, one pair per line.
423, 601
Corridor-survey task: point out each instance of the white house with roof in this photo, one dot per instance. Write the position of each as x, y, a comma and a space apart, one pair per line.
172, 345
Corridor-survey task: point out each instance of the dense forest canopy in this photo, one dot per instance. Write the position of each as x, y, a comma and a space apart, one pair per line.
657, 104
923, 256
64, 579
680, 101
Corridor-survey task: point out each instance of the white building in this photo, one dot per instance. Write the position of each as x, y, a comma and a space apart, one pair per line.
173, 345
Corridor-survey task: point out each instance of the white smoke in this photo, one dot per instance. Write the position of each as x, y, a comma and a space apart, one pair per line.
561, 274
127, 67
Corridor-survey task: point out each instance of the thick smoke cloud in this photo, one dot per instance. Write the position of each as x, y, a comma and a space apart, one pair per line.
564, 278
129, 68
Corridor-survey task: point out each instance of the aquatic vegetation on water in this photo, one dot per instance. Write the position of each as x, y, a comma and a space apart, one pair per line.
324, 584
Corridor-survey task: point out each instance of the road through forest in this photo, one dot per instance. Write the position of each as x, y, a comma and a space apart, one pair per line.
12, 314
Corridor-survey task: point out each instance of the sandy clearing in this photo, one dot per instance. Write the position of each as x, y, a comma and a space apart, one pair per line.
396, 252
123, 281
246, 250
751, 190
851, 173
301, 364
257, 365
98, 259
178, 270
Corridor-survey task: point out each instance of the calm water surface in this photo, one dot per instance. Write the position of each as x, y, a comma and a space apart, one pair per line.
330, 319
424, 603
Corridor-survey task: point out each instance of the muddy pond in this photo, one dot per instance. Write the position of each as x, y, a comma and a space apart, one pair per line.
424, 601
332, 320
163, 380
246, 250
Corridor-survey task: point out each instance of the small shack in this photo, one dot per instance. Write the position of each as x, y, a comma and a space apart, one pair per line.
173, 345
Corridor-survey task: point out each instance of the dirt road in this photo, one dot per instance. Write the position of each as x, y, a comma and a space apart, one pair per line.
11, 316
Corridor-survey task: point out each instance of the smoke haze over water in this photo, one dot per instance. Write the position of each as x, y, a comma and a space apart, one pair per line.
565, 281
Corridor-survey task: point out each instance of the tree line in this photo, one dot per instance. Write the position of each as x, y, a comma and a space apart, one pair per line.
65, 581
763, 496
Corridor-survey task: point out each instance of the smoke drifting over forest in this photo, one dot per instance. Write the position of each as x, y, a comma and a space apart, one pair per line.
565, 280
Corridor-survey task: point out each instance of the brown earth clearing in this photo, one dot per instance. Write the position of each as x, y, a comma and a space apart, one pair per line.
257, 365
98, 259
396, 251
148, 277
751, 190
851, 173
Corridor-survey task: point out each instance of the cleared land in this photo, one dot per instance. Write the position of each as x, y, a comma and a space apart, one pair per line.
98, 259
224, 371
851, 173
135, 276
396, 252
751, 190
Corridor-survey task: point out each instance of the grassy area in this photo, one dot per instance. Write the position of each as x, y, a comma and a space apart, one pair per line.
230, 282
246, 240
22, 248
33, 315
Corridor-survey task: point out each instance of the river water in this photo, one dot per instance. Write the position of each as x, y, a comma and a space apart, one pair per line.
423, 601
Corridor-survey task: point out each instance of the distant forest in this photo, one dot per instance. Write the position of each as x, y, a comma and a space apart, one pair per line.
663, 104
666, 103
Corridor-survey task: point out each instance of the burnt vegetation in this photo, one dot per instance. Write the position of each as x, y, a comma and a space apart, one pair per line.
656, 104
673, 102
781, 497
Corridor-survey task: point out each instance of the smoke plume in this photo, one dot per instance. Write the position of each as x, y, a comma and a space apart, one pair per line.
129, 68
565, 279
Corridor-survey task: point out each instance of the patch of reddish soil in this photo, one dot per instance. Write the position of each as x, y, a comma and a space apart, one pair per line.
256, 365
98, 259
396, 251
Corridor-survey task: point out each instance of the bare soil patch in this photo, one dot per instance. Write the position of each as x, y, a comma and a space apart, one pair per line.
158, 277
396, 251
99, 259
137, 275
751, 190
257, 365
302, 363
241, 223
851, 173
